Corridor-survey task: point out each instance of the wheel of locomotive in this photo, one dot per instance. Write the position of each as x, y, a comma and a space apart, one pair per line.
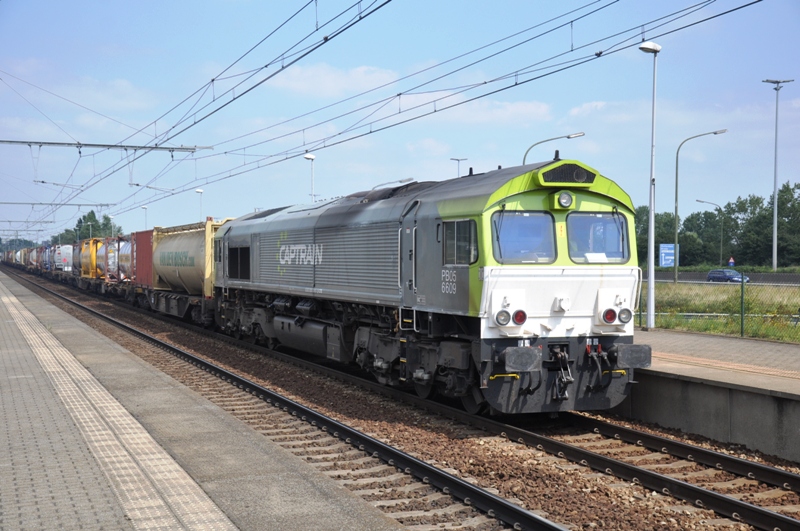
272, 343
427, 390
471, 405
256, 338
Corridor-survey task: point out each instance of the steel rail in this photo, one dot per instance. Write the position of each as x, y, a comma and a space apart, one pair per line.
725, 505
494, 506
740, 467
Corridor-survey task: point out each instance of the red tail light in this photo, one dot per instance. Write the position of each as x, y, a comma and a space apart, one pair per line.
520, 317
610, 315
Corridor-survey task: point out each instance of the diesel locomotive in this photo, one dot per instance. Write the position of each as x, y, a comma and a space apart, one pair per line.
512, 290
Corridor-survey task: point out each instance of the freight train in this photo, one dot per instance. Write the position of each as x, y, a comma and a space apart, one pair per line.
513, 290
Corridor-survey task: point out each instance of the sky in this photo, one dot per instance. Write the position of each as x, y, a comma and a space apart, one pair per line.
380, 91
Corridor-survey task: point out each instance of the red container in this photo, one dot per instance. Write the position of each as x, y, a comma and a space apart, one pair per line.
143, 258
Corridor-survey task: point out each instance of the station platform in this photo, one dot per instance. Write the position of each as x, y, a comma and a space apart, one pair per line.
765, 365
730, 389
95, 438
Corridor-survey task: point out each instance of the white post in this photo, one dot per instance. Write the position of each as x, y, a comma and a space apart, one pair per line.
653, 48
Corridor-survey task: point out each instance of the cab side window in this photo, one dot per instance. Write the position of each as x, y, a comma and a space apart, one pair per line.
460, 242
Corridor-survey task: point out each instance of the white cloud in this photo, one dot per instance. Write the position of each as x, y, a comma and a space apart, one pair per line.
587, 108
324, 80
499, 112
115, 95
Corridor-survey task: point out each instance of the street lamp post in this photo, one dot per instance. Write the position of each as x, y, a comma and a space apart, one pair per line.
777, 90
200, 191
675, 280
458, 167
111, 219
653, 48
309, 156
145, 216
721, 221
568, 137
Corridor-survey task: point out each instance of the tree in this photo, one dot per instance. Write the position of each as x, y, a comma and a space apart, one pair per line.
664, 231
691, 249
744, 226
711, 230
88, 226
788, 224
640, 225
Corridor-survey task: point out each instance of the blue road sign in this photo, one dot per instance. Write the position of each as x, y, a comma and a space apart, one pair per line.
666, 255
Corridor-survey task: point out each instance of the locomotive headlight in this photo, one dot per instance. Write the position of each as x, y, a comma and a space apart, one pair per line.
502, 317
625, 315
610, 315
562, 200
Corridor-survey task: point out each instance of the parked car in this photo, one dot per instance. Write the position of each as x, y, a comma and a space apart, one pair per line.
725, 275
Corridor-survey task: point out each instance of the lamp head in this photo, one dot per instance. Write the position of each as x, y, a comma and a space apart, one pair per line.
576, 135
650, 47
309, 156
720, 131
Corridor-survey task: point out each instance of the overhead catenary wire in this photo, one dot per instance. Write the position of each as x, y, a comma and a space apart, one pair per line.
411, 75
261, 160
453, 90
331, 140
362, 15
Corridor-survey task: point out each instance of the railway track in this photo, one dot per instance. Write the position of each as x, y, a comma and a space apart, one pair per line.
611, 449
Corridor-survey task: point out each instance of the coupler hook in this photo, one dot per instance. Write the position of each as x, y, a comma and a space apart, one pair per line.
564, 378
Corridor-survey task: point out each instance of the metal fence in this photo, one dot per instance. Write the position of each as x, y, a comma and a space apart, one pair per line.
763, 308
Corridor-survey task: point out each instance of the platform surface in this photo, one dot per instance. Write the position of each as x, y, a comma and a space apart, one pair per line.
95, 438
761, 366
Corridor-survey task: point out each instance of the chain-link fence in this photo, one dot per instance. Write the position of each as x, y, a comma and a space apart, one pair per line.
767, 306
